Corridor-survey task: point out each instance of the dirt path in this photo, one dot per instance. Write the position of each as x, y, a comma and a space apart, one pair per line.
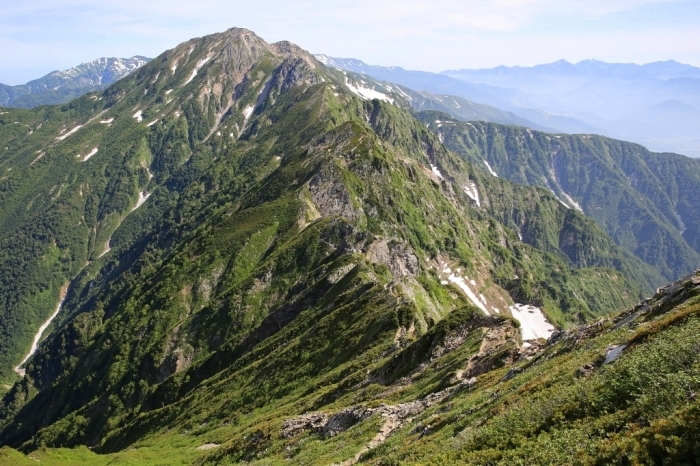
391, 423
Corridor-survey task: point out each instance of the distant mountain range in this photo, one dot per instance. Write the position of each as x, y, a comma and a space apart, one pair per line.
657, 104
366, 86
63, 86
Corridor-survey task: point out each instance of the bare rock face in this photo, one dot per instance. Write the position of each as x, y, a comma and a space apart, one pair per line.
397, 256
345, 419
330, 196
498, 348
313, 422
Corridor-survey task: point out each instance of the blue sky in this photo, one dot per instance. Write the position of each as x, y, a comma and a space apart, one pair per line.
39, 36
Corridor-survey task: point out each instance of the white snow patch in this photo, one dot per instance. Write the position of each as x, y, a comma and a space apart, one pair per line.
680, 220
73, 131
472, 192
574, 203
490, 169
533, 323
208, 446
248, 111
35, 344
142, 198
560, 201
92, 152
107, 248
408, 97
138, 116
435, 170
459, 281
196, 69
366, 93
168, 91
107, 122
613, 353
153, 122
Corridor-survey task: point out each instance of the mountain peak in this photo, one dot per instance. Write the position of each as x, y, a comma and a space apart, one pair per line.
65, 85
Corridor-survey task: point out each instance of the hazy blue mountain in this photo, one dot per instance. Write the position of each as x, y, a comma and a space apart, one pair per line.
431, 82
591, 97
62, 86
583, 70
654, 104
366, 86
507, 100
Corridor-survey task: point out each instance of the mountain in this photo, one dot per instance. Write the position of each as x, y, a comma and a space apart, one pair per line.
645, 200
524, 108
590, 97
366, 86
63, 86
616, 98
499, 97
466, 110
242, 255
570, 76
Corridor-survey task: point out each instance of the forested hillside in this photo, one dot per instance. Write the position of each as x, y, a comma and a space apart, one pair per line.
646, 201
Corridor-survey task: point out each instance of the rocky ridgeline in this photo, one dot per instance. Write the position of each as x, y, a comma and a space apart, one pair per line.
332, 425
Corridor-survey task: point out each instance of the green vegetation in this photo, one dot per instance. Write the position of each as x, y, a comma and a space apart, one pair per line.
282, 294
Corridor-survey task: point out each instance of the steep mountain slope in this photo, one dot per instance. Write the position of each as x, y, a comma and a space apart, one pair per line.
250, 239
63, 86
642, 199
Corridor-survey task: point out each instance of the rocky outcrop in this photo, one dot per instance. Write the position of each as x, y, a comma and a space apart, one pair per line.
399, 257
329, 194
